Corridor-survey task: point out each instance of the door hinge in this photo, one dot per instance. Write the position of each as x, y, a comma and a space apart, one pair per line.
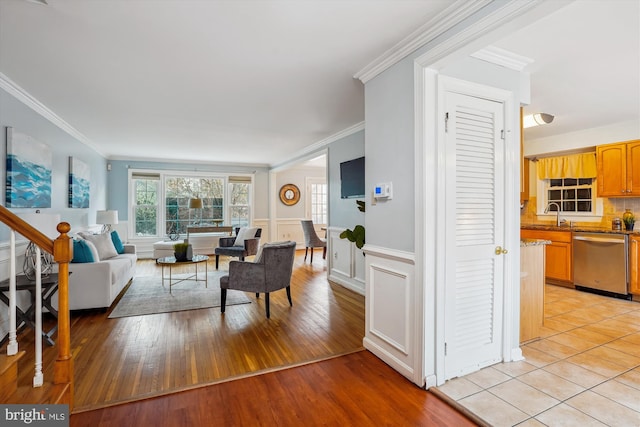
445, 349
502, 134
446, 122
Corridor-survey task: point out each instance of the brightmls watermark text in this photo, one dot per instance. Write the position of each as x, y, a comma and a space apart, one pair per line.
36, 415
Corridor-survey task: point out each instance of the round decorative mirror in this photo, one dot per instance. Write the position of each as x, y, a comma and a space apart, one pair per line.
289, 194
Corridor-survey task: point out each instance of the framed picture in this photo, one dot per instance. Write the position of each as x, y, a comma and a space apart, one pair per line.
79, 183
29, 166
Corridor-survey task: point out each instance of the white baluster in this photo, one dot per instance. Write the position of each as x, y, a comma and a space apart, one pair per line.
12, 347
38, 377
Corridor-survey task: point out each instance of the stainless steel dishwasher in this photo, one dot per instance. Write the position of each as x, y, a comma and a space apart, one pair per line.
600, 263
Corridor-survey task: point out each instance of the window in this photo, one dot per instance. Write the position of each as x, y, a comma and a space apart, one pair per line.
160, 201
239, 196
317, 200
145, 204
180, 189
572, 195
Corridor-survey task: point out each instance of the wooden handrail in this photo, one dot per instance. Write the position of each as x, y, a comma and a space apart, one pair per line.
62, 250
21, 226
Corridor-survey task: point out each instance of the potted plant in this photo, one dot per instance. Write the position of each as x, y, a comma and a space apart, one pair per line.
182, 251
357, 234
629, 220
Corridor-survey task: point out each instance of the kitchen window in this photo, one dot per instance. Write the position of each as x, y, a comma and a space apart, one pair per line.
568, 184
571, 194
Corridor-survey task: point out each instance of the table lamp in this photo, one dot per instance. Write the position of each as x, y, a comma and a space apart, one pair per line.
107, 219
196, 205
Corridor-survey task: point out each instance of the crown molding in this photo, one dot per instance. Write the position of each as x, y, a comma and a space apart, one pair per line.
25, 97
442, 22
502, 57
501, 16
320, 145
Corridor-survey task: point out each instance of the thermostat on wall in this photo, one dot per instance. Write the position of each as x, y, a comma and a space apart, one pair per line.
383, 191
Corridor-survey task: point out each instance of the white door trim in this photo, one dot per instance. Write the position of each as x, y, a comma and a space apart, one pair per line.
430, 169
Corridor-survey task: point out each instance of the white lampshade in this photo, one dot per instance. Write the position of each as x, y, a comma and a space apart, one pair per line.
44, 223
107, 217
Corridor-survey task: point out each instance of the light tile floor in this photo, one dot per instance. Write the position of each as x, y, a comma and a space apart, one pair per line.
584, 371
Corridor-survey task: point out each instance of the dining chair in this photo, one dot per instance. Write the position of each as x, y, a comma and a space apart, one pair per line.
312, 240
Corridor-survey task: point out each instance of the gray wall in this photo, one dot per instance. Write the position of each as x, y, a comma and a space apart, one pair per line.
390, 154
343, 212
14, 113
118, 187
390, 141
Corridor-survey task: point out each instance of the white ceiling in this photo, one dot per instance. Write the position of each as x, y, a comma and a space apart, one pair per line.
586, 69
259, 81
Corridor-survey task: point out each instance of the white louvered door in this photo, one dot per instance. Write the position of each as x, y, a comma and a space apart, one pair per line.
474, 223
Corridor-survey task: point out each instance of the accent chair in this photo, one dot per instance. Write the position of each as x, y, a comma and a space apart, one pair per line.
312, 240
245, 243
270, 272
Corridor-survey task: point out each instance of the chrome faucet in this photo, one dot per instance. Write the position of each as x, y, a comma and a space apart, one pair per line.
546, 210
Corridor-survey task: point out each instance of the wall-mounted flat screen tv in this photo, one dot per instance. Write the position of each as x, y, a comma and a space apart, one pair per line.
352, 178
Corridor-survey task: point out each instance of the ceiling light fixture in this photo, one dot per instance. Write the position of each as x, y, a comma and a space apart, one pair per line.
536, 119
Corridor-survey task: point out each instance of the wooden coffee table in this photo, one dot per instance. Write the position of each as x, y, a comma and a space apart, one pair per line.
171, 262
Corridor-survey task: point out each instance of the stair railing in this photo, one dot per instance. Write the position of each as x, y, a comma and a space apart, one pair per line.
62, 250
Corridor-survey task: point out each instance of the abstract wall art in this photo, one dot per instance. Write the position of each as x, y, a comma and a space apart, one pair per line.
29, 166
79, 183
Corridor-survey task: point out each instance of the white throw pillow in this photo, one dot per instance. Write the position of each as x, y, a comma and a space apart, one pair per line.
93, 249
103, 244
245, 233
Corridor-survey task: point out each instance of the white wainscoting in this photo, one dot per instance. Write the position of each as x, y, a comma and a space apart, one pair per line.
289, 229
390, 300
346, 263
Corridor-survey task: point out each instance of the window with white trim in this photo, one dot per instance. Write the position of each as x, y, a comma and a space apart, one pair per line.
159, 201
317, 200
239, 197
572, 195
146, 188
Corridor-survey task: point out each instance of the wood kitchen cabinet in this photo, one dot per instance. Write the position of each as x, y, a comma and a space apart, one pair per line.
634, 264
558, 255
619, 169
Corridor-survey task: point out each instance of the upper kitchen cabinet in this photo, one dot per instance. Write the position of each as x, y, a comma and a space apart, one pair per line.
619, 169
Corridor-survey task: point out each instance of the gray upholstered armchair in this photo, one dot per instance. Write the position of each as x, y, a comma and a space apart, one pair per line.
270, 272
245, 243
311, 239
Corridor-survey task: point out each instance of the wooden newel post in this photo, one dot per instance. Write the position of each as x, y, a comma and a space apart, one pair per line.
63, 254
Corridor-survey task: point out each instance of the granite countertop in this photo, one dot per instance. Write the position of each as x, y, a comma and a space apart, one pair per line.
534, 242
581, 228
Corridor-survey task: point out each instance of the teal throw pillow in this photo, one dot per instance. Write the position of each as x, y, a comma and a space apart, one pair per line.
115, 238
81, 252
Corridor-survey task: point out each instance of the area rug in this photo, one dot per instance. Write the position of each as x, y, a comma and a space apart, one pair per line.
146, 295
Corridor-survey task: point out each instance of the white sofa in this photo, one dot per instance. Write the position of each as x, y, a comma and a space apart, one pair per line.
97, 284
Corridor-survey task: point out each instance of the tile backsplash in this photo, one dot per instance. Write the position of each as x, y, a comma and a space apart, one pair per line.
611, 208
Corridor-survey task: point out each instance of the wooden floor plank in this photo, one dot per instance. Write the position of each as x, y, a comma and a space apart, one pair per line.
352, 390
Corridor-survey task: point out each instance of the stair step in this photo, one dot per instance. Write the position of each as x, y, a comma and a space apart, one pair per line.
9, 375
49, 393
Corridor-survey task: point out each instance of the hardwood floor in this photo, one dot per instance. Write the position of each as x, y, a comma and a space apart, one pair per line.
124, 359
198, 367
353, 390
